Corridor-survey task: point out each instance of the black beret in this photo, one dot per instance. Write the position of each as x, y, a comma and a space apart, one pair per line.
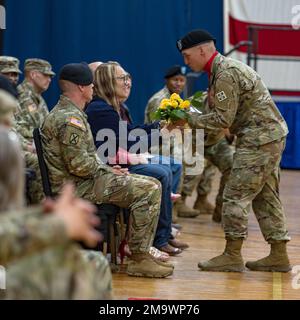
194, 38
175, 71
78, 73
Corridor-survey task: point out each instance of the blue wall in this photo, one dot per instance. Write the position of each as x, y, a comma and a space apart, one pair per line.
140, 34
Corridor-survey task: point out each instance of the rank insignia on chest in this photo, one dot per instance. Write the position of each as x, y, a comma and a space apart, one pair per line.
74, 138
221, 96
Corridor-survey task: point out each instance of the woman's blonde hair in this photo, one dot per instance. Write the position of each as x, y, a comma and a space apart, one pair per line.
104, 83
11, 172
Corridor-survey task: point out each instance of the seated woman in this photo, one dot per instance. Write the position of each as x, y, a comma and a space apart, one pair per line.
112, 87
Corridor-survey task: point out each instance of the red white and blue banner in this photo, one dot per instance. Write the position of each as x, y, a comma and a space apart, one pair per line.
280, 45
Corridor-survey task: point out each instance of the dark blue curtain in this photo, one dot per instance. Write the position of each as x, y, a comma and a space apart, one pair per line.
140, 34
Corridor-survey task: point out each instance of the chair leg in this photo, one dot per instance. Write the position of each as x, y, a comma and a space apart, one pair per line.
104, 250
112, 242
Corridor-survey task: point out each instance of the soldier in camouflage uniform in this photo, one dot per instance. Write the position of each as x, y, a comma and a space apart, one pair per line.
36, 244
8, 107
9, 67
31, 240
38, 74
203, 188
33, 110
70, 155
175, 82
218, 152
240, 101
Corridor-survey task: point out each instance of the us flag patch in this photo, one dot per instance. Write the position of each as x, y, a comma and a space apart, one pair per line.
76, 122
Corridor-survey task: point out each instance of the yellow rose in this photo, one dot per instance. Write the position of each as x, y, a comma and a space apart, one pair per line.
175, 96
174, 104
185, 104
165, 101
163, 105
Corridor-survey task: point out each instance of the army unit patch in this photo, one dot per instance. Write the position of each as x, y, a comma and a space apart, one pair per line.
221, 96
74, 138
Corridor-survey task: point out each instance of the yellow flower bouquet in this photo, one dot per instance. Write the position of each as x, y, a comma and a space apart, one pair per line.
173, 109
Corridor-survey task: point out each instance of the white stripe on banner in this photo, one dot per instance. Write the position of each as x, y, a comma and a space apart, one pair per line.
279, 75
263, 11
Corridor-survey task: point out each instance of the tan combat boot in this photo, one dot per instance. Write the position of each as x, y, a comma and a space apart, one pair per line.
203, 205
217, 215
184, 211
144, 265
230, 260
276, 261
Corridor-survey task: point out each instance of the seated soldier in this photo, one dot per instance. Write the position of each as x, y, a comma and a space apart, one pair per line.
41, 260
70, 154
9, 105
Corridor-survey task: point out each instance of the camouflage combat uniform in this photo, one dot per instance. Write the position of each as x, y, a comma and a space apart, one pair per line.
70, 155
31, 114
7, 109
42, 263
33, 110
33, 107
240, 101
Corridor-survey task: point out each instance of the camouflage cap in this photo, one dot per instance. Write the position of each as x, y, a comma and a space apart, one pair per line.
9, 64
40, 65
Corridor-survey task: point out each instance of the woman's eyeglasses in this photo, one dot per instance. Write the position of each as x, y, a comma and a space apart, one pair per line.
125, 78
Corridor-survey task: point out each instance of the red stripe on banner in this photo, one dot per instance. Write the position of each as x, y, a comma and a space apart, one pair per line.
285, 93
270, 42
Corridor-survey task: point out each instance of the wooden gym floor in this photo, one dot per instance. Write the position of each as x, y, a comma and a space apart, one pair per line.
206, 240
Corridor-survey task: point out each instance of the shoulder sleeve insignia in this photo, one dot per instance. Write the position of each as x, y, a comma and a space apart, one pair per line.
221, 96
74, 138
76, 122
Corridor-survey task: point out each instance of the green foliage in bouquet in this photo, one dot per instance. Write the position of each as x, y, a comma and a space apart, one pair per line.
172, 109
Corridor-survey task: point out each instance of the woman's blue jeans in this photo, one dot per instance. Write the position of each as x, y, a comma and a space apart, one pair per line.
169, 177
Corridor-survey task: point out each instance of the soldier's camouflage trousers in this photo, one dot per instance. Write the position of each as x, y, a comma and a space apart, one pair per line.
219, 155
254, 179
140, 194
35, 191
60, 272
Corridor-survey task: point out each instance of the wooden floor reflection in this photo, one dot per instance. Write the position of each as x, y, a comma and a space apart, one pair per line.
206, 240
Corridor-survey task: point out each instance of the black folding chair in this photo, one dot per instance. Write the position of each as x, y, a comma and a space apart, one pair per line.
42, 164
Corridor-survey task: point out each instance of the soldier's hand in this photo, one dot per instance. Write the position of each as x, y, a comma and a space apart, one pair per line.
179, 124
78, 216
31, 148
118, 170
229, 136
